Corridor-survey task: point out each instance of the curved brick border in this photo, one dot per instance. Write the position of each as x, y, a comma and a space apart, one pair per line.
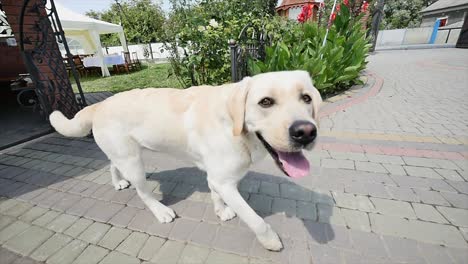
378, 82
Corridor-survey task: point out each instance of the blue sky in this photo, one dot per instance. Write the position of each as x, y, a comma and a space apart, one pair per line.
81, 6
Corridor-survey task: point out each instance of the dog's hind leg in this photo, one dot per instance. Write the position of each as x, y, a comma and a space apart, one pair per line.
223, 211
117, 180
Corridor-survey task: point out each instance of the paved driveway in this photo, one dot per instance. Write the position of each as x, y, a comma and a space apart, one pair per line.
388, 185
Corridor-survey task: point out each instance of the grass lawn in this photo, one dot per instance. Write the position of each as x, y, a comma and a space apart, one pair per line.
151, 75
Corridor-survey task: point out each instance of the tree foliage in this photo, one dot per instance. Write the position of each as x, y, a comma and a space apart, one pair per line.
403, 13
142, 21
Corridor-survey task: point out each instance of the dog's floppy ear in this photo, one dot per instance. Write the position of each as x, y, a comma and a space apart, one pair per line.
316, 103
236, 105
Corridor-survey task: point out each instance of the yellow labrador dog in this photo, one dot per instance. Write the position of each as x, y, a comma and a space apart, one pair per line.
223, 129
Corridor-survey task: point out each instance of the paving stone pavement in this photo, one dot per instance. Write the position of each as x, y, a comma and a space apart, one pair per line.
388, 185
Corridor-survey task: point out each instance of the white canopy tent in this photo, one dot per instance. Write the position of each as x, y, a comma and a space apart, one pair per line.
86, 30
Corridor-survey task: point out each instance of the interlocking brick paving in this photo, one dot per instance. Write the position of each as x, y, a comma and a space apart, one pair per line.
388, 185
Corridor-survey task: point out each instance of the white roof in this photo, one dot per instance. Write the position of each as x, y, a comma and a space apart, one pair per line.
74, 21
444, 4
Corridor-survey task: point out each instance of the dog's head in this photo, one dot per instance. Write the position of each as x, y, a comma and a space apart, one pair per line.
281, 108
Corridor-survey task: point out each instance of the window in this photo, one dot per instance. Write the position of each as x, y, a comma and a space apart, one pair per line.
443, 21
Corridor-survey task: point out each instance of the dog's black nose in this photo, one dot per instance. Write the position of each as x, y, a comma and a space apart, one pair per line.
303, 132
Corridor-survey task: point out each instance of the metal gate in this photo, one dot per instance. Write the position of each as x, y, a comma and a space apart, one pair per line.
250, 44
37, 29
462, 41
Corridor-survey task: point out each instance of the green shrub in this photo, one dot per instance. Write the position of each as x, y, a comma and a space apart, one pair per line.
335, 66
197, 35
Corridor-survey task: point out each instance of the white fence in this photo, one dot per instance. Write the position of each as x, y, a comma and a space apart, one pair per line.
410, 36
143, 51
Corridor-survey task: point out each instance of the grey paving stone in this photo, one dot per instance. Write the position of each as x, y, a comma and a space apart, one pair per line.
464, 232
193, 210
91, 255
7, 256
5, 221
394, 169
460, 186
296, 192
449, 174
325, 254
370, 167
62, 222
233, 240
456, 216
368, 244
402, 193
434, 254
418, 230
133, 243
18, 209
12, 230
169, 252
204, 234
94, 232
152, 245
377, 158
46, 218
182, 229
371, 189
411, 182
157, 229
116, 257
80, 207
123, 196
52, 245
78, 227
260, 203
306, 210
103, 211
141, 221
459, 255
348, 156
7, 204
68, 253
251, 186
114, 237
124, 216
350, 201
422, 172
441, 186
33, 213
403, 250
456, 199
356, 219
216, 257
428, 213
194, 254
136, 202
330, 214
394, 208
28, 240
337, 164
431, 197
66, 202
287, 206
269, 188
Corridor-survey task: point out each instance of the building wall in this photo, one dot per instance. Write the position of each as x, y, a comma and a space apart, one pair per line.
453, 17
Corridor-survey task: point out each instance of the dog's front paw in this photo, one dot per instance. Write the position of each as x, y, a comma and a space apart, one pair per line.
164, 214
122, 184
270, 240
226, 214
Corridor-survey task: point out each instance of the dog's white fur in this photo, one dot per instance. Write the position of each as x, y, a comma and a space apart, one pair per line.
214, 126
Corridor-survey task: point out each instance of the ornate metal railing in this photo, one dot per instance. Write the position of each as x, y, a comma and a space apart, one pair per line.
250, 44
39, 31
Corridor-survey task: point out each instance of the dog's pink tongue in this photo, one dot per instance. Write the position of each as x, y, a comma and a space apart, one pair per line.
294, 163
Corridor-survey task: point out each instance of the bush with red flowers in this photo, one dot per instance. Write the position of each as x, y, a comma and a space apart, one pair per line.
336, 65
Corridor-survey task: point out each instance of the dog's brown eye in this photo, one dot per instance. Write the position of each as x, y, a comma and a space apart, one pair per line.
306, 98
266, 102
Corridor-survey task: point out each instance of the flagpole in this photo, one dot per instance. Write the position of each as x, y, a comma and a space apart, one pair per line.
328, 24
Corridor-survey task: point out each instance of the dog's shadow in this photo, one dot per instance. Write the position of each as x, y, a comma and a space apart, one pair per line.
270, 196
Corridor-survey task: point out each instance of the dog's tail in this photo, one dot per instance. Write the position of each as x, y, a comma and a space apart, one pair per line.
79, 126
